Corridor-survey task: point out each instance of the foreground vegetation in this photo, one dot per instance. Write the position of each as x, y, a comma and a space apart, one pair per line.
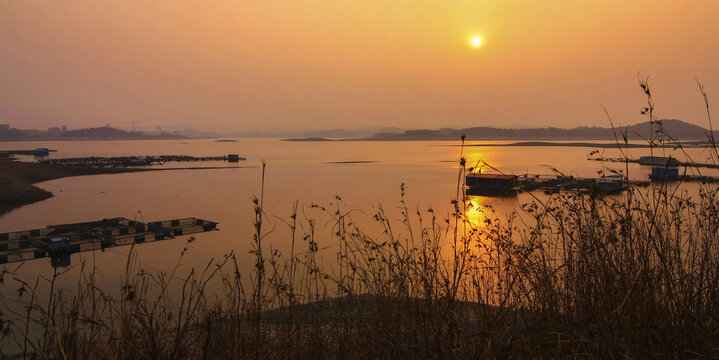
570, 275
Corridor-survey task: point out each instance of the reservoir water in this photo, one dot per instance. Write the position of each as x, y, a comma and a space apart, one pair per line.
363, 174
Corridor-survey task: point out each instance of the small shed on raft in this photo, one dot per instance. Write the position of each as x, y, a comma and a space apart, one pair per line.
494, 182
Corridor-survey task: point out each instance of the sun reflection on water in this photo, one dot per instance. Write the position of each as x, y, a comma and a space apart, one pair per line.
476, 208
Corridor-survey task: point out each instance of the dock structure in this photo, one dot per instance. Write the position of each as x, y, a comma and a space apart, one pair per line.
498, 185
36, 152
657, 161
501, 185
131, 161
58, 242
603, 185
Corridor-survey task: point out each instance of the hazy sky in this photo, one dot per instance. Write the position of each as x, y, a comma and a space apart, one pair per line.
309, 64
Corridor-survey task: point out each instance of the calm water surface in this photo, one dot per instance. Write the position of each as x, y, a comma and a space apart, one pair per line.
306, 172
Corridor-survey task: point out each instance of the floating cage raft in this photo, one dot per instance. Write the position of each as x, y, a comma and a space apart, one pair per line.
500, 185
60, 241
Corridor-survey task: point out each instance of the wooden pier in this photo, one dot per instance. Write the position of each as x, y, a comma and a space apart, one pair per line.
58, 242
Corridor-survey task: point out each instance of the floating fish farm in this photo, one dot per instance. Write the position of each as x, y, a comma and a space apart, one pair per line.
58, 242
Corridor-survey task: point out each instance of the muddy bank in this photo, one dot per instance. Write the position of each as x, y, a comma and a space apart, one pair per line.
16, 179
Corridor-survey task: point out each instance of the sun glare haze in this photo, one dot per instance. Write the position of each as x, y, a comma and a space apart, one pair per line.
315, 64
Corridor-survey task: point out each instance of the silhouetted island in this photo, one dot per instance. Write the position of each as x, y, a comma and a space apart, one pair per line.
677, 129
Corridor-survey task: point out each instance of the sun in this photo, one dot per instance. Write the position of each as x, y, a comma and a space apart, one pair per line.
476, 42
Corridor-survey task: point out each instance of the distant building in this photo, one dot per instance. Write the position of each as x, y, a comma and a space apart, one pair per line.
4, 128
54, 130
191, 133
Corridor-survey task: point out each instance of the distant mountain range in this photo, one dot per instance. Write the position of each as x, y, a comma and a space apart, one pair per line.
328, 133
677, 129
98, 133
353, 133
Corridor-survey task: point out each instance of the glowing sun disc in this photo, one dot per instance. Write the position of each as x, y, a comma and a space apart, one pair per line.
476, 42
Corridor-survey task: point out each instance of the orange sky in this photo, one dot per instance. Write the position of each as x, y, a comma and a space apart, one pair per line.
311, 64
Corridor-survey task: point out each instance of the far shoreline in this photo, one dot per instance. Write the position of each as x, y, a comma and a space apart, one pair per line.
557, 143
593, 145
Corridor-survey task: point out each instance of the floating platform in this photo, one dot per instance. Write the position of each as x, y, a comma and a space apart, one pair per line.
657, 161
495, 185
132, 161
35, 152
58, 242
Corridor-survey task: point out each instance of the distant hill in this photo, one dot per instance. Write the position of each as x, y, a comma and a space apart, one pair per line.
334, 133
675, 128
98, 133
352, 133
109, 133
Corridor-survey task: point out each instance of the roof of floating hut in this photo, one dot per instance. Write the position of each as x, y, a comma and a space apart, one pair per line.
658, 160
